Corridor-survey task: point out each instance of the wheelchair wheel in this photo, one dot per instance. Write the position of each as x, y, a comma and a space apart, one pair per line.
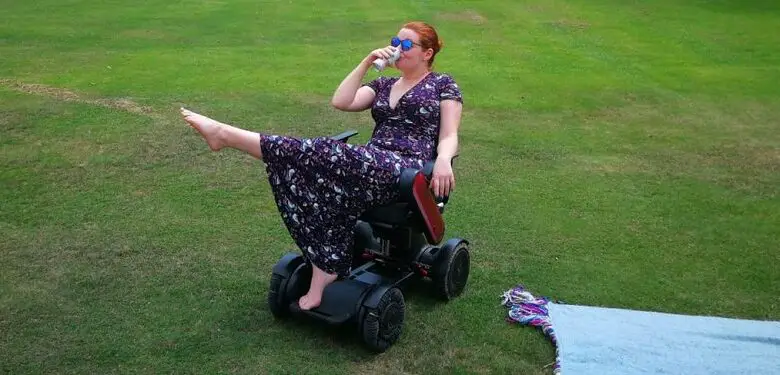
277, 299
452, 273
285, 290
381, 327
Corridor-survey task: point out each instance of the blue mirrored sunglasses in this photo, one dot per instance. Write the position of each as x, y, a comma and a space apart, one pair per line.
405, 44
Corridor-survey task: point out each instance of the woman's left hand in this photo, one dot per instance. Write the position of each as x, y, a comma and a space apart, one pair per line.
443, 180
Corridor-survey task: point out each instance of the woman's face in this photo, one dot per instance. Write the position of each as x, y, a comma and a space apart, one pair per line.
415, 56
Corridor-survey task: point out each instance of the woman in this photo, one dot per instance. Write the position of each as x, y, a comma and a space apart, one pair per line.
322, 186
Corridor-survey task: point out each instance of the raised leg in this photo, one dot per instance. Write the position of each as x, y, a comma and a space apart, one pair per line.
219, 135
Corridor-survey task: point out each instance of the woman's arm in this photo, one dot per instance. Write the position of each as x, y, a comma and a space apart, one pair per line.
448, 132
350, 96
443, 179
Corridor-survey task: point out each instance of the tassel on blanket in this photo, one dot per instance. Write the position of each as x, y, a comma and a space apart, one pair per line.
525, 309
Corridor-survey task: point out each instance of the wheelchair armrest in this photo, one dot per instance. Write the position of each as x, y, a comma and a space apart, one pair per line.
406, 184
344, 136
416, 192
427, 171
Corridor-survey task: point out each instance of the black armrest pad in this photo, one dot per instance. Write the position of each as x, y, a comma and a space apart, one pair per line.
343, 137
406, 182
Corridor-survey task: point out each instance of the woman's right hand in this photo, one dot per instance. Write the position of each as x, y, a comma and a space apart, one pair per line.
380, 53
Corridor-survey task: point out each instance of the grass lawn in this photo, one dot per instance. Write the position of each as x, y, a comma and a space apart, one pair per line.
613, 153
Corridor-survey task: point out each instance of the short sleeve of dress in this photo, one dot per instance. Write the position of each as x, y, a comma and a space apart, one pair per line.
377, 84
449, 89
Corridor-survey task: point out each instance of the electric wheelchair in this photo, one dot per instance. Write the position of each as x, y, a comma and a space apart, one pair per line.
393, 245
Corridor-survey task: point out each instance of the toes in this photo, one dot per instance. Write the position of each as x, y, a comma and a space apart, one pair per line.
305, 303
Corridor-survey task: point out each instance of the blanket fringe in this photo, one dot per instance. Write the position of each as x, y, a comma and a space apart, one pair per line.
528, 310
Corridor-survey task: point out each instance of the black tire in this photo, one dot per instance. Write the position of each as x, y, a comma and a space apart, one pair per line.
452, 272
277, 297
381, 327
285, 290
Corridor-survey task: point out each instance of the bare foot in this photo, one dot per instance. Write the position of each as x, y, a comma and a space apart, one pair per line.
308, 303
319, 280
208, 128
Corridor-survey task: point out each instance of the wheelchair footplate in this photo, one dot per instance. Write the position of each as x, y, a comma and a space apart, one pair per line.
340, 301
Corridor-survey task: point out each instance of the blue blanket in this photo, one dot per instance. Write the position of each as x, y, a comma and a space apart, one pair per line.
605, 341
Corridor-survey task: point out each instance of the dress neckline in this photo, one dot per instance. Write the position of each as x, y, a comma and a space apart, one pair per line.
400, 98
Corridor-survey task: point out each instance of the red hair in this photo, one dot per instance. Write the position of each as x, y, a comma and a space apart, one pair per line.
428, 37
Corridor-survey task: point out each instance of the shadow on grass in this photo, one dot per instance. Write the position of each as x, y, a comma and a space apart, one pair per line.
255, 319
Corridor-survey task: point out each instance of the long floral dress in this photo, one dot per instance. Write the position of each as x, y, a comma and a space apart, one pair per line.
321, 186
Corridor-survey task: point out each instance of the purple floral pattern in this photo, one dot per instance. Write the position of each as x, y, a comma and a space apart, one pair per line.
322, 186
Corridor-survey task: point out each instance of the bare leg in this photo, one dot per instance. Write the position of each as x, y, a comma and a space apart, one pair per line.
219, 135
319, 280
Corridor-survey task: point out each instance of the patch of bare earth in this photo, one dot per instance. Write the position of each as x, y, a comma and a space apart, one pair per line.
470, 16
57, 93
143, 34
314, 99
569, 24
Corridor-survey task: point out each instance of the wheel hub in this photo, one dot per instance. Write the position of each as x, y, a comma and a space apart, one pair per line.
391, 321
459, 272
